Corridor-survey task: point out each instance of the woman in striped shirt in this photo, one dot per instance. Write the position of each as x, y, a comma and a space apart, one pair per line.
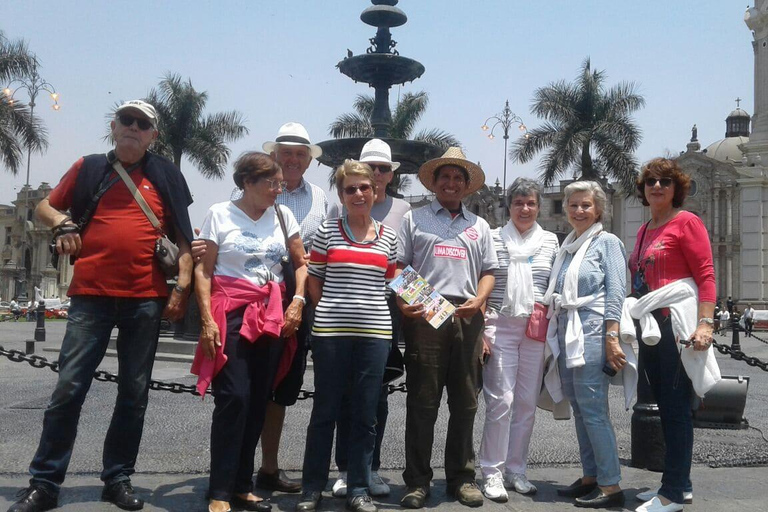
512, 372
352, 259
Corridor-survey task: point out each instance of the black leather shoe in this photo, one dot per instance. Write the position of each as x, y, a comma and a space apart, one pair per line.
34, 499
122, 495
598, 499
309, 501
362, 503
277, 481
577, 489
243, 504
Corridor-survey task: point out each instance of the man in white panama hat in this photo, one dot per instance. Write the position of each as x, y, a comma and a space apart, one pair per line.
293, 151
453, 250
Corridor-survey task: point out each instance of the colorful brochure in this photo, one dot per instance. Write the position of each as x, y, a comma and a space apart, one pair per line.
414, 289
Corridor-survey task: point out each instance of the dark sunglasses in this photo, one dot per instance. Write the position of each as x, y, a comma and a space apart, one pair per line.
381, 168
127, 121
352, 189
664, 182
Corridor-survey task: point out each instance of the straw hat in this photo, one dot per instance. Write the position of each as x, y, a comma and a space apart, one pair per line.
453, 156
293, 134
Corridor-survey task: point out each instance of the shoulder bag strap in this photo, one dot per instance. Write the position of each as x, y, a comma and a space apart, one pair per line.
137, 195
282, 224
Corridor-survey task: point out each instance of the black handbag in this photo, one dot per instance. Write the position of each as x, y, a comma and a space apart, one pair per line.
289, 272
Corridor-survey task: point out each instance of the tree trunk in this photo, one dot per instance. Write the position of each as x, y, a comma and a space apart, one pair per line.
587, 170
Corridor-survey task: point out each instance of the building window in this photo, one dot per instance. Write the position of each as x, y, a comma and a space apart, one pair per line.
557, 207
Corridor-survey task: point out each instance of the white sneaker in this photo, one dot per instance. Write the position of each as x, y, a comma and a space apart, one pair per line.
520, 484
655, 506
650, 494
340, 485
377, 486
493, 489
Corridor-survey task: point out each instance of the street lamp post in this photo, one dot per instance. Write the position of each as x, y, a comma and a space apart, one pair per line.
506, 118
32, 84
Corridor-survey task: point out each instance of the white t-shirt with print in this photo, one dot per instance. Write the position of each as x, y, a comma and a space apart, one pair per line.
249, 249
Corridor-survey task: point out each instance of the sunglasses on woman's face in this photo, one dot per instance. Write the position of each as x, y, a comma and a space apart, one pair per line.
128, 121
352, 189
664, 182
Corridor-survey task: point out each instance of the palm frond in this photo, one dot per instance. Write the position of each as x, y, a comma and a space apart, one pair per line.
16, 60
364, 105
407, 114
351, 125
439, 138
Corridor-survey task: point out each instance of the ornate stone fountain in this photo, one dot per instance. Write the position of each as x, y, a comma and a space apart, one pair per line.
381, 67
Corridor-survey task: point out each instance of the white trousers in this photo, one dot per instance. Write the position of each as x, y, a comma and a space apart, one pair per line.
511, 385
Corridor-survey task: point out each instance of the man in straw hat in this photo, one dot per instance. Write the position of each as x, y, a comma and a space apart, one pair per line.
389, 211
117, 282
453, 250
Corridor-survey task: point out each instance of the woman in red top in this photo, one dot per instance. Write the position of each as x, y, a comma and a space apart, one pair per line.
673, 245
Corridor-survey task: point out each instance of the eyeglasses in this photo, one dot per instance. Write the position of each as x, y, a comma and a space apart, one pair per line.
275, 184
382, 168
664, 182
519, 205
352, 189
127, 121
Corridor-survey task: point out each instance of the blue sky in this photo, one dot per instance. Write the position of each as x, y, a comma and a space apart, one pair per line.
274, 61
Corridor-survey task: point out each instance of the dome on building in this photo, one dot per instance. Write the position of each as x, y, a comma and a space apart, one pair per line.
736, 134
727, 149
739, 112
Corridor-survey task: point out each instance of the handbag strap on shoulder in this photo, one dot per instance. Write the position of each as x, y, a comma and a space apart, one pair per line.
137, 195
282, 224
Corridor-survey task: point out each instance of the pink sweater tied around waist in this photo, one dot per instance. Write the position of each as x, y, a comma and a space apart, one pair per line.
263, 316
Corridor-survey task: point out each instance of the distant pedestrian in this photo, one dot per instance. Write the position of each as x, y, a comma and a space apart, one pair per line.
749, 320
725, 320
729, 304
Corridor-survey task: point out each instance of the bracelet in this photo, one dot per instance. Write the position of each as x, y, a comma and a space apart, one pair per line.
707, 321
179, 289
302, 299
60, 224
612, 334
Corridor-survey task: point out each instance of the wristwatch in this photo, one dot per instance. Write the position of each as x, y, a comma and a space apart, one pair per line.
707, 321
179, 289
612, 334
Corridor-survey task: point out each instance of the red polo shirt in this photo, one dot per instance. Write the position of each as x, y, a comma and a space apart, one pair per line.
117, 258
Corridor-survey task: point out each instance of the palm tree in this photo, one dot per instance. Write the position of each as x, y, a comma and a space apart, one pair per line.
586, 127
184, 131
18, 129
407, 113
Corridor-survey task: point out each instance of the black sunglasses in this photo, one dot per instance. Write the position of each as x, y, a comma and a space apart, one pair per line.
352, 189
128, 121
381, 168
664, 182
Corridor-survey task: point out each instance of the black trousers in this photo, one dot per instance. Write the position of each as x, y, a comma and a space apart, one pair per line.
241, 391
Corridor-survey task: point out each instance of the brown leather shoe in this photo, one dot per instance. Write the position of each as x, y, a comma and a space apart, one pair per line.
277, 481
415, 497
469, 494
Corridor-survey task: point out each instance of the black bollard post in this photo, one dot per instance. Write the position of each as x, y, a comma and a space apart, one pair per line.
648, 447
39, 329
735, 344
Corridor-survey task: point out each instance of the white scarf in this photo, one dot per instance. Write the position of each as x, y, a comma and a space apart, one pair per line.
519, 298
571, 245
569, 298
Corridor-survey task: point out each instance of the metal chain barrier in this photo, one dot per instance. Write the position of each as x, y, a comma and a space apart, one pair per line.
740, 356
17, 356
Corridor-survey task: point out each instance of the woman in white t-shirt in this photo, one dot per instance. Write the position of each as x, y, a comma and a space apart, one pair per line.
239, 287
